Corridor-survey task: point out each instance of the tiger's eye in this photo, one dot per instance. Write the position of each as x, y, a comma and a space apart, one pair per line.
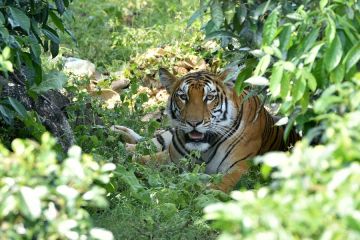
181, 95
210, 97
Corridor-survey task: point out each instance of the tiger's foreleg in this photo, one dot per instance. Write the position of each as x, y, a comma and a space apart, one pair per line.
161, 142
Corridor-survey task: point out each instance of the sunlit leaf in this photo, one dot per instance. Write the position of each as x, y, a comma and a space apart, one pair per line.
333, 54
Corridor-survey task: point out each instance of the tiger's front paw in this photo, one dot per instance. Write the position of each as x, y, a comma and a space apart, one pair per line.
128, 135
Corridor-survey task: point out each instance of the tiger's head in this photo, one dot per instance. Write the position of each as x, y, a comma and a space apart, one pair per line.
201, 105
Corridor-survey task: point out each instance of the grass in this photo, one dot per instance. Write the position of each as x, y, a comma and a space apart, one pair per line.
110, 32
145, 202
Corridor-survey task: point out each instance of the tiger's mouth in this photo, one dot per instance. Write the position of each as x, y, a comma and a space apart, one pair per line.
196, 136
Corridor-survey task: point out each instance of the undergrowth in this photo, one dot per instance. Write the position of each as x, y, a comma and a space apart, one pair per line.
151, 201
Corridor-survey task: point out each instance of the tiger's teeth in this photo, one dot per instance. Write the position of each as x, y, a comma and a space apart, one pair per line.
196, 135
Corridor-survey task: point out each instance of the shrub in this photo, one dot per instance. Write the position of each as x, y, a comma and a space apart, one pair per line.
41, 198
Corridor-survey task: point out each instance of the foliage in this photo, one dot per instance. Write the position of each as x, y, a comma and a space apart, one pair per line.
302, 47
44, 199
28, 26
314, 192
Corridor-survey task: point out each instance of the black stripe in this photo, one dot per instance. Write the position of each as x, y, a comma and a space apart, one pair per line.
232, 130
161, 140
242, 159
179, 146
275, 138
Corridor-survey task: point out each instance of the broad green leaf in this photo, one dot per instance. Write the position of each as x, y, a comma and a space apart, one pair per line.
52, 80
19, 19
352, 57
330, 30
311, 80
313, 53
337, 75
51, 34
18, 107
284, 37
54, 49
262, 65
60, 6
333, 54
299, 88
270, 27
288, 66
217, 14
304, 101
285, 85
309, 40
275, 80
6, 114
57, 21
243, 75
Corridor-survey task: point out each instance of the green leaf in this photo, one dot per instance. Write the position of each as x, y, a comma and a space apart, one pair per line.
311, 80
217, 14
262, 65
323, 4
18, 107
309, 40
51, 34
285, 85
275, 80
337, 75
54, 49
53, 80
19, 19
60, 6
352, 57
313, 53
57, 21
330, 30
243, 75
6, 114
299, 88
284, 37
270, 27
333, 54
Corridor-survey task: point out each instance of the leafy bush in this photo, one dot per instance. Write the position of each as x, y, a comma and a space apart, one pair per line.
314, 190
305, 54
41, 198
28, 26
300, 47
314, 193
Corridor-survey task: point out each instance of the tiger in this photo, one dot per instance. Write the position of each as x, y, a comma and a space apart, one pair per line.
207, 115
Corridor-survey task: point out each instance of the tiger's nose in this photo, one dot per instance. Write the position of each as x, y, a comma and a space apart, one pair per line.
194, 123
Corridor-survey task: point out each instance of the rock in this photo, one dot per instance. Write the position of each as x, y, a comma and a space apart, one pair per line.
157, 115
50, 107
109, 96
79, 67
120, 84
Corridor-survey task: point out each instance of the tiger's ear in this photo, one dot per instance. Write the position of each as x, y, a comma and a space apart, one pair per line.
229, 76
166, 79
